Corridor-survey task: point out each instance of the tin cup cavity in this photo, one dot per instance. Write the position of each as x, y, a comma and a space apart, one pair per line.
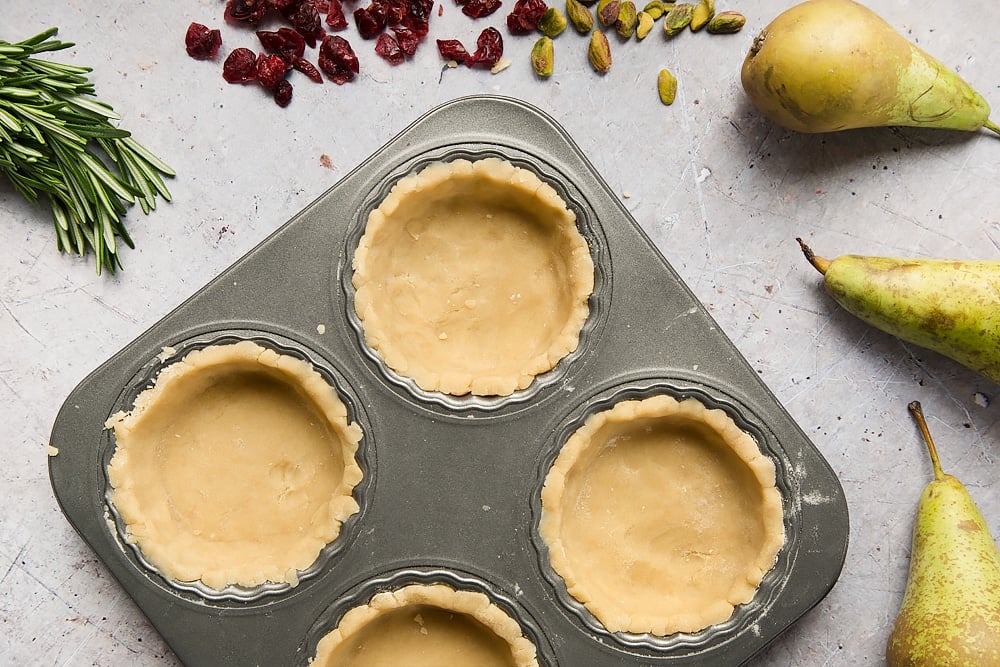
144, 378
745, 616
587, 224
396, 579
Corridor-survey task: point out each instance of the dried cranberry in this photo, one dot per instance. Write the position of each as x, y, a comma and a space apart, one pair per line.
387, 47
322, 6
370, 20
335, 16
337, 59
245, 11
240, 66
525, 16
395, 12
285, 42
202, 43
305, 18
307, 68
452, 49
419, 11
407, 40
489, 48
282, 5
479, 8
283, 93
270, 68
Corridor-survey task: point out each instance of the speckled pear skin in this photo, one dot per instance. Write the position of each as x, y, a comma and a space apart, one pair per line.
949, 306
950, 614
829, 65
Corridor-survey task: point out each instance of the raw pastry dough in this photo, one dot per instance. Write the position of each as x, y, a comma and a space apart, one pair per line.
236, 467
661, 516
426, 625
471, 277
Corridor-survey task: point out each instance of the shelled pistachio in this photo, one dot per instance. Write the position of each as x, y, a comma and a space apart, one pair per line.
552, 23
678, 18
580, 16
599, 52
702, 14
627, 19
542, 56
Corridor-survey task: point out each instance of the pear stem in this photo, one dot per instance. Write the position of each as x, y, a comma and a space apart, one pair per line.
918, 415
990, 125
819, 263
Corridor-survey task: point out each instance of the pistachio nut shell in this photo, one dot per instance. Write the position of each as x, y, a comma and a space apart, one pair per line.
678, 18
552, 23
655, 8
580, 16
542, 54
644, 23
666, 85
727, 22
599, 52
627, 19
702, 14
607, 12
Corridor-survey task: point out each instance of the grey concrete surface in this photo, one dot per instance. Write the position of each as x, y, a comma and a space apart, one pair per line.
721, 191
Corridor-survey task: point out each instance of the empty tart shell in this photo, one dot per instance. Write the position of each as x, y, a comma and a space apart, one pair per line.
426, 625
661, 516
472, 278
236, 467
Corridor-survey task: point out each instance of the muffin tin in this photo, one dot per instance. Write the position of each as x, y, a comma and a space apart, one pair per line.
451, 491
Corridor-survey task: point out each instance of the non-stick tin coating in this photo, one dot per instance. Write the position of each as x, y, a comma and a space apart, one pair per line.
452, 483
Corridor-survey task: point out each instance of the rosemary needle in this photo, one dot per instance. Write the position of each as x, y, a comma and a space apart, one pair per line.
58, 145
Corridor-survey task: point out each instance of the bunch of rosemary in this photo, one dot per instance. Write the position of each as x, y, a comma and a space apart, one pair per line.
57, 142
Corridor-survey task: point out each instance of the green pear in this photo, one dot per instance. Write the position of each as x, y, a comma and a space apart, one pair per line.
950, 614
828, 65
949, 306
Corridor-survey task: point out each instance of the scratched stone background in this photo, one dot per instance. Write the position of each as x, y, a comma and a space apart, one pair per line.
721, 191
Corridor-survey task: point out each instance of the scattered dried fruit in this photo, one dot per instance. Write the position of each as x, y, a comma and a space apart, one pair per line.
283, 93
307, 68
201, 42
245, 11
599, 52
304, 17
370, 20
452, 49
542, 54
239, 66
388, 48
338, 60
580, 16
489, 49
284, 42
335, 18
478, 8
666, 84
269, 69
727, 22
525, 16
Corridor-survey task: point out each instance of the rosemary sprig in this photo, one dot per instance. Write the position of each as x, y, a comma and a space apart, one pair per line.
58, 145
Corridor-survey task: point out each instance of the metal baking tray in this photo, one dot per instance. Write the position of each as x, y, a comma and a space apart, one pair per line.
452, 484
